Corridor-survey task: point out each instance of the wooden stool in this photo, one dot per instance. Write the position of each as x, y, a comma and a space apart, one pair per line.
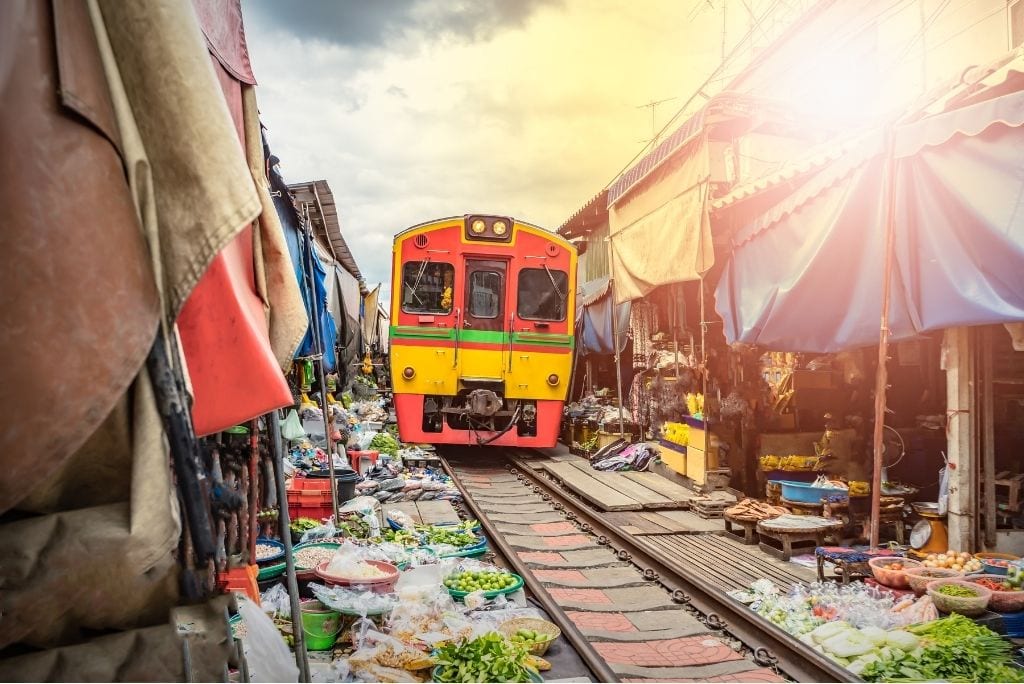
790, 530
749, 527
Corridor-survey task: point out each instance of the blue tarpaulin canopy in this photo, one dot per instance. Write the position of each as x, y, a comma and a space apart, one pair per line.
594, 320
806, 274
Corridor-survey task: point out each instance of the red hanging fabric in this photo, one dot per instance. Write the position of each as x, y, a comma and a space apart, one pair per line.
223, 326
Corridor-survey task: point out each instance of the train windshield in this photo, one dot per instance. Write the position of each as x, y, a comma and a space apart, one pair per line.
542, 294
427, 287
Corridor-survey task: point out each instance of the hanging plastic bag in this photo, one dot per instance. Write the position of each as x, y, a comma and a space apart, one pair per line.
943, 499
266, 653
291, 428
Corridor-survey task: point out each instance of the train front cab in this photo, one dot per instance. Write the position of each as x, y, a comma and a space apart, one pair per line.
481, 343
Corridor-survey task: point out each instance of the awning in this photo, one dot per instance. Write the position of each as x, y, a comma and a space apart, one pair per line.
806, 274
594, 320
660, 232
658, 221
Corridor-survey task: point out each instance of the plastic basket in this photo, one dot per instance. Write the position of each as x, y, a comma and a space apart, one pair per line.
494, 592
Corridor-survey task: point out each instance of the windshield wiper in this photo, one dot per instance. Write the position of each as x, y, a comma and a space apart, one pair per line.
419, 277
554, 285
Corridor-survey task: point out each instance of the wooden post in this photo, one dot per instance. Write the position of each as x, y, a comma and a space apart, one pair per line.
615, 338
960, 379
882, 375
988, 442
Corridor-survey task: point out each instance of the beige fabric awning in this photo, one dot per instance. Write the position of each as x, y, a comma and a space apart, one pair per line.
660, 232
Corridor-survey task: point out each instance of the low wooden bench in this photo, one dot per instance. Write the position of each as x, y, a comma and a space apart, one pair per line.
801, 533
741, 530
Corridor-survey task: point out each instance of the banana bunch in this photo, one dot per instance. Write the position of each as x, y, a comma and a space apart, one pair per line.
695, 404
677, 433
859, 488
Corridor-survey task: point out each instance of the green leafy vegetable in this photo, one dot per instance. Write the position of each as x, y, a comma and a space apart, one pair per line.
488, 658
953, 649
384, 443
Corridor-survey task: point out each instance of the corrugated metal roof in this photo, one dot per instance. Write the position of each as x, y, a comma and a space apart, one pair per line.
324, 215
591, 215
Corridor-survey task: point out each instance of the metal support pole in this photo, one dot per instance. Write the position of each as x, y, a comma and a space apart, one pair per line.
319, 352
615, 339
881, 376
277, 457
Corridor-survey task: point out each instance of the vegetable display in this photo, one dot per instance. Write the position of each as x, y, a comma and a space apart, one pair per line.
956, 590
1015, 574
384, 443
954, 649
488, 658
529, 637
444, 535
954, 560
486, 580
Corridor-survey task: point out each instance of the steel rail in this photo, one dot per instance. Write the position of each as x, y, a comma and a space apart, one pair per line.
598, 666
771, 646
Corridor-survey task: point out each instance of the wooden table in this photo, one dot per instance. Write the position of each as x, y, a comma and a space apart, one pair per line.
748, 527
793, 530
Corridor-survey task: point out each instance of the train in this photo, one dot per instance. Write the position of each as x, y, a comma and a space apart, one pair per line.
482, 331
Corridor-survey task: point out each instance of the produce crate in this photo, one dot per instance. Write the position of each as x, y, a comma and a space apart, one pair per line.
311, 484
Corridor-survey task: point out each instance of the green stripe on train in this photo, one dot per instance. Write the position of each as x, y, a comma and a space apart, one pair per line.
399, 332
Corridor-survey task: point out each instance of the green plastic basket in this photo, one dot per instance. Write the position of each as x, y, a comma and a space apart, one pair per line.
494, 592
271, 571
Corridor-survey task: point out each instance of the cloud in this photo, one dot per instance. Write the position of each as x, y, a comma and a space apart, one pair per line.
381, 22
529, 114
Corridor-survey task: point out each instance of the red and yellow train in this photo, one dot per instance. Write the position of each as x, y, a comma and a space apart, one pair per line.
482, 319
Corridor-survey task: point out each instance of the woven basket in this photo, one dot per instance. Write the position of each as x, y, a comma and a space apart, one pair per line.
965, 605
510, 627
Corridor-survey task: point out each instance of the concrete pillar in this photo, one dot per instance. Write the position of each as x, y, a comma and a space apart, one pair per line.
961, 413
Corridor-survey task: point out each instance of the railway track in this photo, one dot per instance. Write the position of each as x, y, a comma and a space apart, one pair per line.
624, 607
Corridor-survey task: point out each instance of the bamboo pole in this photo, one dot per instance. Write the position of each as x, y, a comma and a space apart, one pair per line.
882, 374
277, 457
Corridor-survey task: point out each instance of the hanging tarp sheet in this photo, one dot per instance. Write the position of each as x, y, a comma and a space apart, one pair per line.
370, 317
594, 321
806, 275
349, 287
660, 232
318, 287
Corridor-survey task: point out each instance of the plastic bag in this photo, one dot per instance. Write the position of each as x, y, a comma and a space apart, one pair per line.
943, 499
380, 649
325, 531
291, 428
353, 601
401, 519
275, 602
267, 655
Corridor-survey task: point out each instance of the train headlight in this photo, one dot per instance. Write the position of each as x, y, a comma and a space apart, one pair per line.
553, 379
479, 226
500, 227
409, 373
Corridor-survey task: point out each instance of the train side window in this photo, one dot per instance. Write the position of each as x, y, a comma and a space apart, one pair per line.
427, 287
485, 294
542, 294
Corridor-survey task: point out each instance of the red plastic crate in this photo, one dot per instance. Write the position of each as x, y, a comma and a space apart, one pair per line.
314, 512
311, 484
242, 580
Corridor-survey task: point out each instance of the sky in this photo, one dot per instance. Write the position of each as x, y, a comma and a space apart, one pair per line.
414, 110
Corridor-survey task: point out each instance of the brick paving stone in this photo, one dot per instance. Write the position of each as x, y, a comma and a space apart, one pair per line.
668, 653
541, 557
594, 596
562, 542
560, 576
550, 528
538, 543
524, 518
603, 621
666, 619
